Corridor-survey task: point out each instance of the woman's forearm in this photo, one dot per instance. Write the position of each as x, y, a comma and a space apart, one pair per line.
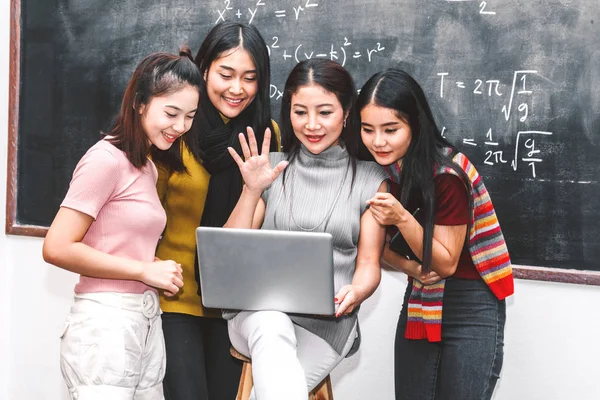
400, 263
84, 260
367, 273
366, 279
443, 260
243, 213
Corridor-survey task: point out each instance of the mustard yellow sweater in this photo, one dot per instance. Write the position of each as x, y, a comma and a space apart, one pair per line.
183, 196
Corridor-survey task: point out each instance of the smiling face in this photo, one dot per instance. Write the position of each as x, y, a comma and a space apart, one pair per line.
317, 118
231, 82
384, 134
167, 117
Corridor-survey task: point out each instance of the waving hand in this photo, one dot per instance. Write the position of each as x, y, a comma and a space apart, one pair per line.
255, 168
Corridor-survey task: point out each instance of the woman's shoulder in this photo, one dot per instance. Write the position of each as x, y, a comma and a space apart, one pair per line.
188, 160
368, 179
105, 153
368, 164
370, 169
187, 156
455, 161
277, 156
447, 179
458, 158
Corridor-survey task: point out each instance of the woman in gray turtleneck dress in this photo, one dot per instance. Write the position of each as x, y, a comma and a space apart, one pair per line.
326, 190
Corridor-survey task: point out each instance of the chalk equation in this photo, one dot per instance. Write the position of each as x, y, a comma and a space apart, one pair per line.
517, 93
298, 9
280, 50
249, 13
349, 53
484, 9
341, 52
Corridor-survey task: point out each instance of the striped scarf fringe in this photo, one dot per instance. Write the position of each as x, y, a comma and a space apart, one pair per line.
488, 251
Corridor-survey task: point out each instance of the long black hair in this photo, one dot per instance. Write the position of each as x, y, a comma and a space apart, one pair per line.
428, 150
223, 38
333, 78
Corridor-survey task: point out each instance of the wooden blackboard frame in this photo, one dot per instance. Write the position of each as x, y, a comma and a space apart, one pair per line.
12, 225
14, 228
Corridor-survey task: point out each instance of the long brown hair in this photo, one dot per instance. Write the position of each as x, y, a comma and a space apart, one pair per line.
156, 75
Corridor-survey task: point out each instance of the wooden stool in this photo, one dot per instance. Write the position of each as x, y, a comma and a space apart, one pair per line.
323, 390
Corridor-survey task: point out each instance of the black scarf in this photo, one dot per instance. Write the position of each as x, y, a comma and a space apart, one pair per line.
225, 185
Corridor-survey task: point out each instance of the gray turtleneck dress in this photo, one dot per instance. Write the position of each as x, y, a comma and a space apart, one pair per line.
321, 196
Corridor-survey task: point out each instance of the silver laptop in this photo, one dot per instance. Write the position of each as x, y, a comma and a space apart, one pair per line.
256, 269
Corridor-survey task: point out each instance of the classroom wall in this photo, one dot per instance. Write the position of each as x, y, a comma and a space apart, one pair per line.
552, 335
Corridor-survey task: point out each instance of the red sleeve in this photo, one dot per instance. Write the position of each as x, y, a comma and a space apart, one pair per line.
451, 200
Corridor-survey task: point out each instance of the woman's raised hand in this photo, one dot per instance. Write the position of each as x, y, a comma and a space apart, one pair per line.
255, 168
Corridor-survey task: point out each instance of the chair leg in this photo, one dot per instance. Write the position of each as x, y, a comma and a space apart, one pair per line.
323, 391
246, 383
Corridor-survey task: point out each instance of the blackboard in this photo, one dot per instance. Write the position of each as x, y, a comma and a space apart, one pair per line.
515, 84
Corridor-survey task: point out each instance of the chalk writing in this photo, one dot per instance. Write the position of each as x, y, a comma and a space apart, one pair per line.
530, 145
523, 79
296, 11
512, 99
296, 52
335, 52
493, 88
483, 6
482, 9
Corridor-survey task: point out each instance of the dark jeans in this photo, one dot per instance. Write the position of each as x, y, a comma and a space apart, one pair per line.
199, 365
466, 364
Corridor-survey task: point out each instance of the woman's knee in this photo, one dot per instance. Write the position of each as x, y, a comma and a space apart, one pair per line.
269, 327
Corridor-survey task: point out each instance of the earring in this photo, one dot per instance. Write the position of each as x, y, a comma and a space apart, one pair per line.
344, 123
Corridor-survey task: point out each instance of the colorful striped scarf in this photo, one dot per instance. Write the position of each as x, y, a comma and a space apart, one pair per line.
488, 251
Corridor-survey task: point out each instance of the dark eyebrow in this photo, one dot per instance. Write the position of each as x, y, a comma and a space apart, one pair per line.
320, 105
179, 109
250, 71
383, 125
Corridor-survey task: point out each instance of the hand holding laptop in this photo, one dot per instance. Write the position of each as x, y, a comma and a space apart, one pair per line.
347, 299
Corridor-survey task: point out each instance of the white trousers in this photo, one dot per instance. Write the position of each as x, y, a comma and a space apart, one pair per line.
112, 347
287, 361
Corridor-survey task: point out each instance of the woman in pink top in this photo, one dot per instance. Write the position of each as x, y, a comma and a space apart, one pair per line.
107, 229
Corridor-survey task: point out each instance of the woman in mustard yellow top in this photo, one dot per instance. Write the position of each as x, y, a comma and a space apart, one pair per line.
199, 184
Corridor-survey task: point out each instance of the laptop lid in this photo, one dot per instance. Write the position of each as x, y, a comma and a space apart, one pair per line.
257, 269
